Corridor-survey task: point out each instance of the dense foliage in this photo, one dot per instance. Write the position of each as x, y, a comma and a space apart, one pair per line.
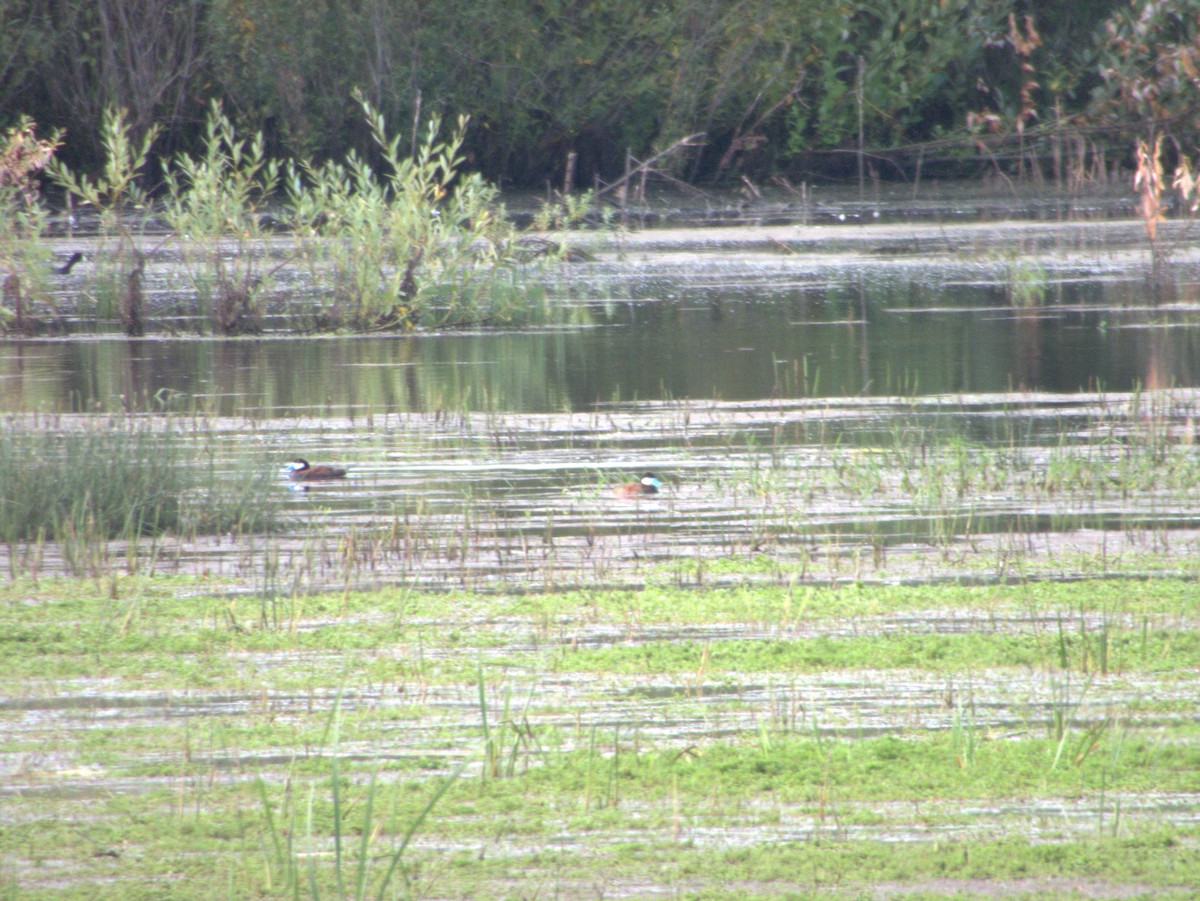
775, 85
417, 242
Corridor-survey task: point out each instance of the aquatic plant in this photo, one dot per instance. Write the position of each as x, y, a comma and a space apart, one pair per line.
417, 242
505, 737
214, 205
115, 281
1149, 181
283, 859
125, 480
1025, 282
357, 724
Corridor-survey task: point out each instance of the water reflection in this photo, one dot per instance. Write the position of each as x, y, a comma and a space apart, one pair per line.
662, 340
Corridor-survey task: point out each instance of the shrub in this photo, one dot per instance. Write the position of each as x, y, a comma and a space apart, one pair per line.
115, 283
214, 205
22, 223
420, 242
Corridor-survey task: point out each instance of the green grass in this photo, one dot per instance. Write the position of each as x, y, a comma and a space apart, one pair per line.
166, 739
75, 621
782, 604
1121, 651
211, 838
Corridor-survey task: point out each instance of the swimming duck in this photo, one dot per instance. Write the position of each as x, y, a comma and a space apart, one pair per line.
299, 471
647, 484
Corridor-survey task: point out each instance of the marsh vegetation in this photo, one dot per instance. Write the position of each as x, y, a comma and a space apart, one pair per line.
914, 613
911, 645
407, 240
941, 739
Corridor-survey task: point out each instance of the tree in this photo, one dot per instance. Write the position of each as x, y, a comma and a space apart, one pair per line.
137, 55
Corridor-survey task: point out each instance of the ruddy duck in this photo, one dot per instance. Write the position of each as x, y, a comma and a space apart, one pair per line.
647, 484
299, 471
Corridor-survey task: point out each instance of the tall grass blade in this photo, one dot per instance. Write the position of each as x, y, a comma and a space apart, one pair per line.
398, 856
360, 885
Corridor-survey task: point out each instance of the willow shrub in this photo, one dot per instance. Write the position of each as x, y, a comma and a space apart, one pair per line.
123, 481
121, 201
214, 205
418, 243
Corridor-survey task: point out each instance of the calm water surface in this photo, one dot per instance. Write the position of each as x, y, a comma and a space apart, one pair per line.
681, 340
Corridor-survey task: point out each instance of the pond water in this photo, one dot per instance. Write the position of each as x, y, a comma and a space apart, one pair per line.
729, 314
779, 378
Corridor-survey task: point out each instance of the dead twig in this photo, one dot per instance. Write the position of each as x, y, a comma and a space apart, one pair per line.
647, 165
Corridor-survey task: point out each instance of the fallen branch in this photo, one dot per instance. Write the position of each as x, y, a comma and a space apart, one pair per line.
647, 165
